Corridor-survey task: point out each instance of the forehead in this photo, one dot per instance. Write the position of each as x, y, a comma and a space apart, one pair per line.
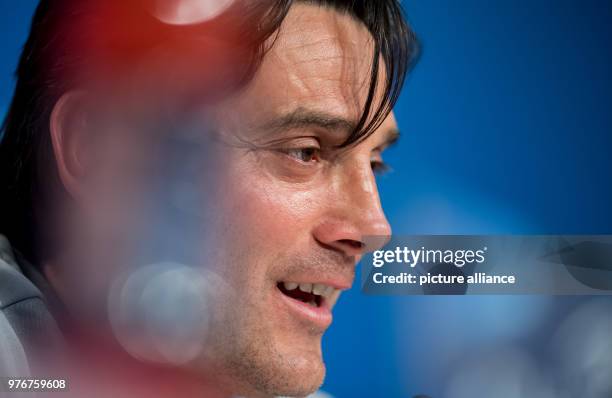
320, 60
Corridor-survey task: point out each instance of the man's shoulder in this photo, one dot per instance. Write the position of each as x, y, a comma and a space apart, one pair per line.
25, 321
14, 286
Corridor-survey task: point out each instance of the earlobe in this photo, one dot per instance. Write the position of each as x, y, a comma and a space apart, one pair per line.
68, 128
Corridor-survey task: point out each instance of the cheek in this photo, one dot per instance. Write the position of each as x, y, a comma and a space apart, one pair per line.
271, 210
260, 222
275, 215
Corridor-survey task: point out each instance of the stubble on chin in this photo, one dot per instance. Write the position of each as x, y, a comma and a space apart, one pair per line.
245, 355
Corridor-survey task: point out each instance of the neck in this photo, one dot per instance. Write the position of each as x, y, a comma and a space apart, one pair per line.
97, 361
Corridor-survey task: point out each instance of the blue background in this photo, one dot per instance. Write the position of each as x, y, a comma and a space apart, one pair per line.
506, 128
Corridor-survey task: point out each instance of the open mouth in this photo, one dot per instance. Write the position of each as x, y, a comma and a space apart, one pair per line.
313, 294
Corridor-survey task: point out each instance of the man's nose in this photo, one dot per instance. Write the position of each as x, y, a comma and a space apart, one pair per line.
355, 223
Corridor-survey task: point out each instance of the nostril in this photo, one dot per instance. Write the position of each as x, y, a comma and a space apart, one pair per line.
354, 244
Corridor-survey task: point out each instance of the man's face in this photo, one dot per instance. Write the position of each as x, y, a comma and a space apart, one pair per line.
283, 206
291, 208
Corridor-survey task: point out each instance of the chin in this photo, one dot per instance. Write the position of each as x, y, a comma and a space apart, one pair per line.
278, 374
305, 379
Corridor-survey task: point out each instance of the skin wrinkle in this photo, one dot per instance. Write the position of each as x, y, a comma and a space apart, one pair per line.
339, 45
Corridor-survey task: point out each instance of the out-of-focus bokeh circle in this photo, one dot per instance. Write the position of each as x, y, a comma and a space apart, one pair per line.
502, 373
583, 349
160, 312
188, 12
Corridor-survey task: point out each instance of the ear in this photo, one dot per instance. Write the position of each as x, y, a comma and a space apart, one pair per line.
68, 128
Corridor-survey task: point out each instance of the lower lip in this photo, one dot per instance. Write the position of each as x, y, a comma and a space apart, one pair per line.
320, 316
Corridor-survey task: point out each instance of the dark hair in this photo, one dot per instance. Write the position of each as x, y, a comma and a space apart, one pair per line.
113, 35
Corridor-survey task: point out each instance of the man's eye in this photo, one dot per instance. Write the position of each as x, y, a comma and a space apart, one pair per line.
379, 167
305, 155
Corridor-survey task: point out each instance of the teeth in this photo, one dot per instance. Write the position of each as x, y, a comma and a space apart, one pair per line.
328, 292
319, 289
306, 287
333, 298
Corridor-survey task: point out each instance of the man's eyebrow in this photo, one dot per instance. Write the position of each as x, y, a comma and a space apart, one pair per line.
301, 118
